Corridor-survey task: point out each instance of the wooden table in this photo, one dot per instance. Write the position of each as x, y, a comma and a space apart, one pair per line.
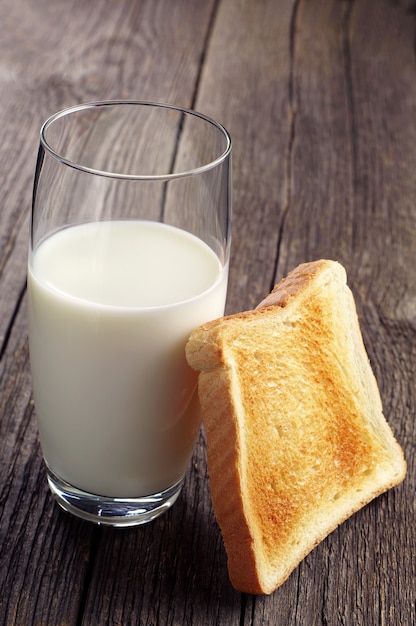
320, 99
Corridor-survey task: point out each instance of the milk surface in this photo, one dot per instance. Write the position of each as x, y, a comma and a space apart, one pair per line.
111, 305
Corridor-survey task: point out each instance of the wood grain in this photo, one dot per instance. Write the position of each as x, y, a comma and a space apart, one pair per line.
320, 99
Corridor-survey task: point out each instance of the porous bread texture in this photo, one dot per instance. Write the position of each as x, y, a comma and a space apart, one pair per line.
296, 438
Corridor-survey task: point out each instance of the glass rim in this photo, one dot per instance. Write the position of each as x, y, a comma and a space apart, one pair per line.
149, 177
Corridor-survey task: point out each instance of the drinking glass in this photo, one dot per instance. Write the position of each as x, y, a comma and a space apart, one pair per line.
129, 252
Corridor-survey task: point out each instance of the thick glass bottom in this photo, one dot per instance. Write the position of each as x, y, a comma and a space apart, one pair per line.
112, 511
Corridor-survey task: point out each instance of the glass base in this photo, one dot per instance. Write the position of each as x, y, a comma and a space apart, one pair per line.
112, 511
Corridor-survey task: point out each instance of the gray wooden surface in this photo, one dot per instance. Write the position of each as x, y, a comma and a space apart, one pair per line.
320, 99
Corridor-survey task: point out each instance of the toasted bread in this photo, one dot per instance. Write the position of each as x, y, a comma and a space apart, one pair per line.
296, 438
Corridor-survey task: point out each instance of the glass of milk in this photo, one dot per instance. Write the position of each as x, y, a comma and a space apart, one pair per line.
129, 252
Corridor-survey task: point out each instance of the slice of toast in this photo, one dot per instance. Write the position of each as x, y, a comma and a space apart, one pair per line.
296, 438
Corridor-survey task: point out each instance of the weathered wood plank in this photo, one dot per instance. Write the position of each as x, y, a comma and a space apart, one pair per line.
351, 197
245, 85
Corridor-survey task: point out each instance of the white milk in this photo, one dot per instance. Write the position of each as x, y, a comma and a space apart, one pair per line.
111, 305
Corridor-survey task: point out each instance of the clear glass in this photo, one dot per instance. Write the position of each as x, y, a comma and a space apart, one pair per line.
129, 252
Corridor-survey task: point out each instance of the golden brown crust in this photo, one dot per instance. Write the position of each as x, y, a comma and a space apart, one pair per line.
290, 287
225, 471
296, 439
